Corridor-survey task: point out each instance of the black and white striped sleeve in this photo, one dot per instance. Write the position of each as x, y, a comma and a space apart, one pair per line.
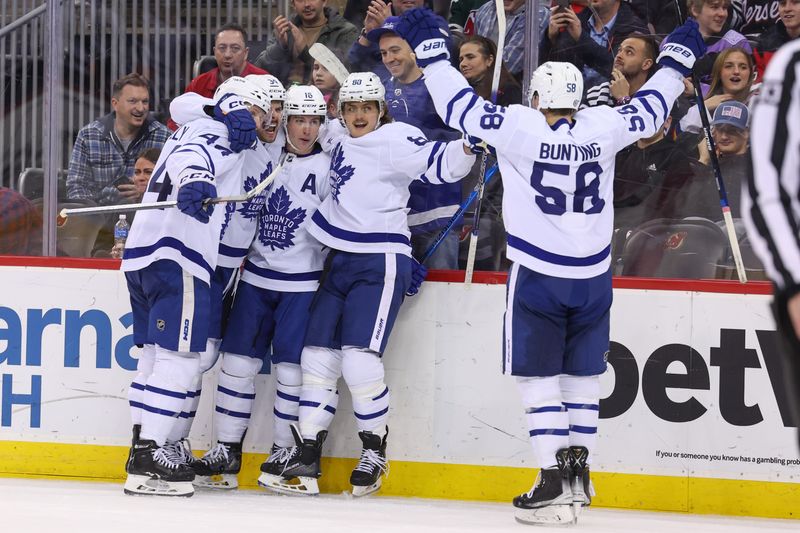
771, 200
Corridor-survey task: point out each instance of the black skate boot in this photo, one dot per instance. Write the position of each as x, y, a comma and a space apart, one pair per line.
151, 471
137, 429
278, 458
581, 484
218, 468
366, 477
302, 469
550, 499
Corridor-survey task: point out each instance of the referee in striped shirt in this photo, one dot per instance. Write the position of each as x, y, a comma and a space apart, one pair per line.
771, 203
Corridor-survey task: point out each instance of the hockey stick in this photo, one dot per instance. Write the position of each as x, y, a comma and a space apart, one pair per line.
328, 59
457, 216
498, 66
171, 203
712, 152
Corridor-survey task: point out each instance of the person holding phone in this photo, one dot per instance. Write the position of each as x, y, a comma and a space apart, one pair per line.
590, 39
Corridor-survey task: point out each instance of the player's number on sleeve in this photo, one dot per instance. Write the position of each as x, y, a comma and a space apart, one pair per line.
553, 201
494, 116
635, 122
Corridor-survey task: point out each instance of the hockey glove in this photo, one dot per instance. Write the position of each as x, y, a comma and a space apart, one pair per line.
418, 274
478, 146
422, 28
232, 112
191, 198
683, 46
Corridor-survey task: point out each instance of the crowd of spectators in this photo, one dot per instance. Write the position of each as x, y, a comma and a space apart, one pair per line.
615, 43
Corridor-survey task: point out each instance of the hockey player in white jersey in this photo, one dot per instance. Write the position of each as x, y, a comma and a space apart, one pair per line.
557, 165
168, 262
238, 231
368, 271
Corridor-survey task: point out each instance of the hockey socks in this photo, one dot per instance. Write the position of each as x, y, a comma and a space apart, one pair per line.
236, 391
286, 410
144, 368
321, 368
548, 421
581, 396
363, 372
165, 392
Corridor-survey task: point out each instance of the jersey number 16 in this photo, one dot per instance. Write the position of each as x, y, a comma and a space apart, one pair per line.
553, 200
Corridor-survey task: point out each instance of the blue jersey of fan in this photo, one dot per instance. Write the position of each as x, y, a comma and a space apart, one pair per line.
198, 151
558, 202
366, 211
284, 256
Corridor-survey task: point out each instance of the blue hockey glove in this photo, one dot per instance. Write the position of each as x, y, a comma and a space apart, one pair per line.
418, 274
422, 28
684, 45
237, 118
478, 146
191, 197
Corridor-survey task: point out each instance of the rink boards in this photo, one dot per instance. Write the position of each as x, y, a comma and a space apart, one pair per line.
693, 412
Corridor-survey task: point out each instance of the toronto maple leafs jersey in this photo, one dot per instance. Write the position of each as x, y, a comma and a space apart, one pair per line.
198, 151
366, 211
239, 224
284, 256
558, 202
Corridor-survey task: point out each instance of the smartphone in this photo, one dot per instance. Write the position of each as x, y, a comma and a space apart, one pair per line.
562, 5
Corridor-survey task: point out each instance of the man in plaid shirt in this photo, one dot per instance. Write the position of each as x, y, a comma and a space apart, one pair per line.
106, 149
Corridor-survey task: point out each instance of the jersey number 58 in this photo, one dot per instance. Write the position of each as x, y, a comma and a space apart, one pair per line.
553, 200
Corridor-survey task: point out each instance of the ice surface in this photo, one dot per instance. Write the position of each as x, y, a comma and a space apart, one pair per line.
43, 505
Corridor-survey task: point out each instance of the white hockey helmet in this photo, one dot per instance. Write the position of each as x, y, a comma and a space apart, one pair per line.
269, 84
362, 87
559, 85
304, 100
246, 90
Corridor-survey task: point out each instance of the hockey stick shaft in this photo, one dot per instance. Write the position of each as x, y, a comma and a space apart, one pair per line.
121, 208
498, 68
328, 59
456, 217
712, 153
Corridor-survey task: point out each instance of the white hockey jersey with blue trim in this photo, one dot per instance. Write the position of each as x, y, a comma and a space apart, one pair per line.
366, 211
239, 225
284, 256
558, 202
198, 151
241, 218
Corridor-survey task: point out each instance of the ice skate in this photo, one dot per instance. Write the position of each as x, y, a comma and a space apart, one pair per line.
137, 428
180, 452
151, 471
218, 468
550, 500
273, 468
580, 482
302, 470
366, 477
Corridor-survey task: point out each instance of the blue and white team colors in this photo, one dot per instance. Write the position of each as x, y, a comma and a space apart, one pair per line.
197, 151
284, 256
558, 201
366, 211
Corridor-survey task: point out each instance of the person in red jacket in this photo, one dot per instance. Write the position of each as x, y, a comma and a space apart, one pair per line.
230, 51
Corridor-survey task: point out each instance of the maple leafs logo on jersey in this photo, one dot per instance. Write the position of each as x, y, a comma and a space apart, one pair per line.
278, 223
340, 174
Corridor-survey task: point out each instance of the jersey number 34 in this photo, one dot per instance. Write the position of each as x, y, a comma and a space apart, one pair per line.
553, 200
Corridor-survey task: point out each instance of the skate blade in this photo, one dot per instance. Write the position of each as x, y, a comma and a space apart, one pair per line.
299, 486
359, 492
218, 482
145, 485
550, 515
